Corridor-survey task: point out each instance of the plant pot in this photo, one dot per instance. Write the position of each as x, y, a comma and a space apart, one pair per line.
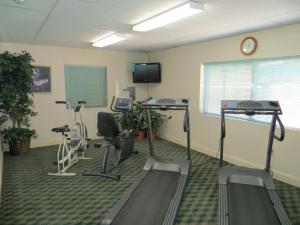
139, 134
153, 135
18, 147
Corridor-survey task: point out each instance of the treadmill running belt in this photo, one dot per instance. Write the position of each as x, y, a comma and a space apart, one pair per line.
149, 202
249, 205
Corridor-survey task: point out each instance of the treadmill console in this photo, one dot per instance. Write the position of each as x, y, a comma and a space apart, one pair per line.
250, 107
166, 103
123, 104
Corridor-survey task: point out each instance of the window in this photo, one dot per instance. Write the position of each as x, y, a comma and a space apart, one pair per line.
264, 79
86, 83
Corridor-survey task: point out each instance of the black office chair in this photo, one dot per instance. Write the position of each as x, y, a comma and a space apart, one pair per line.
124, 144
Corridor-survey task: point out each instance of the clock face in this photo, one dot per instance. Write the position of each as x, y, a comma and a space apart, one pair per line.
248, 46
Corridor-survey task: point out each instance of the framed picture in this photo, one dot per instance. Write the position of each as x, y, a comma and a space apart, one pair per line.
41, 79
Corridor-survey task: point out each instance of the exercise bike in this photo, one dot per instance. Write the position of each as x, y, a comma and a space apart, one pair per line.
71, 148
122, 139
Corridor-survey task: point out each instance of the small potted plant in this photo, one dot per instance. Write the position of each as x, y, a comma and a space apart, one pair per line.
16, 99
136, 121
156, 120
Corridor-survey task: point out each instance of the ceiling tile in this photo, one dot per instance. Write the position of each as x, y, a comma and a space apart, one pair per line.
77, 23
8, 15
37, 5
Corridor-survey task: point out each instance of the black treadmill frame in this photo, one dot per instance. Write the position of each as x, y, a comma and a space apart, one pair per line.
256, 111
182, 166
243, 175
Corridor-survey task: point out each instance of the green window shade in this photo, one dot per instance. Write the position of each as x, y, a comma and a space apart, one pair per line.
86, 83
263, 79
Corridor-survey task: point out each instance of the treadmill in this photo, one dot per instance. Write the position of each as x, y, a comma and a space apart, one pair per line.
154, 198
247, 196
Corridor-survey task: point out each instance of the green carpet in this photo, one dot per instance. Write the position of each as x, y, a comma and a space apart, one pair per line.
31, 197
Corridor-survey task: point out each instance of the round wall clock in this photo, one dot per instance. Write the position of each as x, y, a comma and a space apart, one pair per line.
248, 45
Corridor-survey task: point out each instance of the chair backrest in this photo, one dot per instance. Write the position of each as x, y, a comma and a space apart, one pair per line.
107, 125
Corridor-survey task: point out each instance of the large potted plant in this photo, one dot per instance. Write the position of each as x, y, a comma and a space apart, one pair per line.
16, 99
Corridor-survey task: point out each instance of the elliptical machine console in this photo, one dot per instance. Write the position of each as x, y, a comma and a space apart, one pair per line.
123, 104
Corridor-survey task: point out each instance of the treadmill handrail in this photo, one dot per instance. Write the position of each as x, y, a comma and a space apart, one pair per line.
223, 132
275, 115
282, 130
186, 121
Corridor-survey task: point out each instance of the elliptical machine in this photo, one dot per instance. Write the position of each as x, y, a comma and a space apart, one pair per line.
124, 145
122, 139
72, 148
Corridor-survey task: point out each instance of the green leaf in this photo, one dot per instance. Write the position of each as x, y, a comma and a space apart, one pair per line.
15, 90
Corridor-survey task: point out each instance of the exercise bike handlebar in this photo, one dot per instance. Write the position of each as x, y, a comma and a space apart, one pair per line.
68, 104
60, 102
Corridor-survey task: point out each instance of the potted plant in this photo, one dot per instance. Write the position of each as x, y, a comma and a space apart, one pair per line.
135, 121
156, 120
16, 99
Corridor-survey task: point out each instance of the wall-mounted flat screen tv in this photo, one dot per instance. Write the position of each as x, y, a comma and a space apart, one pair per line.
146, 73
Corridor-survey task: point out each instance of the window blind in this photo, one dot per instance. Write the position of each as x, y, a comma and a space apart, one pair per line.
264, 79
86, 83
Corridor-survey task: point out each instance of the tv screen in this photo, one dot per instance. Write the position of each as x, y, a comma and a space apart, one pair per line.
146, 73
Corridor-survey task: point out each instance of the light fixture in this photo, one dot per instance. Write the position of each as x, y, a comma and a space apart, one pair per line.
19, 1
109, 40
182, 11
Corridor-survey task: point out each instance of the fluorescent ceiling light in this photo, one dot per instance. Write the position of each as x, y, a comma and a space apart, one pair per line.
19, 1
109, 40
188, 9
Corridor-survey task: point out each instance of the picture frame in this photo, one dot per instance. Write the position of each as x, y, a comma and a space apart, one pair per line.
41, 79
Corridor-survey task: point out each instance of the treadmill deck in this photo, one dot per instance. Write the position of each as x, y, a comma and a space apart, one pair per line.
249, 205
149, 202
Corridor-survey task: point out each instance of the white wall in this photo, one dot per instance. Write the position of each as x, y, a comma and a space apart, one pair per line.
51, 115
246, 142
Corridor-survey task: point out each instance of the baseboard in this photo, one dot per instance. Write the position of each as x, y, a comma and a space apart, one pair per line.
279, 175
194, 146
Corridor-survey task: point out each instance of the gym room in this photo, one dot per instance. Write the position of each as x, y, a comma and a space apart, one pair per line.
136, 112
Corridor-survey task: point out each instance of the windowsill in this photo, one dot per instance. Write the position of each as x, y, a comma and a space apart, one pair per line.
246, 120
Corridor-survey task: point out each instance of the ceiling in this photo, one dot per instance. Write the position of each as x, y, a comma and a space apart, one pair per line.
76, 23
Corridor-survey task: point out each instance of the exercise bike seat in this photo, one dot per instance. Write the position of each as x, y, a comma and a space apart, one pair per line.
62, 129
